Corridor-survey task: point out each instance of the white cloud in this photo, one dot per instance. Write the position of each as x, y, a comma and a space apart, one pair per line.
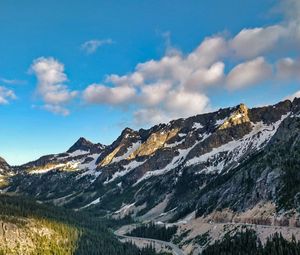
172, 86
176, 104
6, 95
100, 94
184, 104
56, 109
279, 38
92, 46
253, 42
12, 81
154, 94
288, 69
208, 52
51, 85
210, 76
178, 84
249, 73
201, 63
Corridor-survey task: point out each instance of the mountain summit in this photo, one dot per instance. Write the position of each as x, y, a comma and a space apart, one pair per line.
83, 144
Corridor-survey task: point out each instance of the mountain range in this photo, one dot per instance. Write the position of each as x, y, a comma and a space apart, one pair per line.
234, 165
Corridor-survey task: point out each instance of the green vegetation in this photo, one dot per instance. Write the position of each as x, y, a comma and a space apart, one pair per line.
52, 230
154, 231
290, 189
247, 243
179, 238
202, 239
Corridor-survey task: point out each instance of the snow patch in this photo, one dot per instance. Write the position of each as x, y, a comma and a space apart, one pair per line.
220, 121
96, 201
128, 168
130, 150
78, 153
124, 209
197, 125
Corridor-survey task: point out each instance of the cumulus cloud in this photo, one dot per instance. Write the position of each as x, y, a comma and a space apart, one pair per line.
281, 37
208, 52
154, 94
92, 46
173, 86
51, 85
6, 95
179, 85
182, 103
250, 43
249, 73
100, 94
212, 75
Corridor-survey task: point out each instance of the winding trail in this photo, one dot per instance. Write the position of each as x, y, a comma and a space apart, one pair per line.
175, 249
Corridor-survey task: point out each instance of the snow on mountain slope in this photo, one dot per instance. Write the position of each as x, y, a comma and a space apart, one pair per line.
233, 151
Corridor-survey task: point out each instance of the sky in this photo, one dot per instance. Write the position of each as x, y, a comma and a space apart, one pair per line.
91, 68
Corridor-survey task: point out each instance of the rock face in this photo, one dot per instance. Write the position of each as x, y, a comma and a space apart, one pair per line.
4, 166
5, 172
233, 158
238, 117
84, 145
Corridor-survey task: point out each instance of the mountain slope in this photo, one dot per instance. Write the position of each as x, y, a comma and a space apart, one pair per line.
28, 227
232, 158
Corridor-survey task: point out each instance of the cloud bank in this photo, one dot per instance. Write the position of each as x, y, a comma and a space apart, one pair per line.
51, 85
177, 84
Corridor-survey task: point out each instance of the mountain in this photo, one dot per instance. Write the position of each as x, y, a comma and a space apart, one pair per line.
85, 146
235, 165
79, 155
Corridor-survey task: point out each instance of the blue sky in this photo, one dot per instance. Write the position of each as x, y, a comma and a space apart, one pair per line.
94, 67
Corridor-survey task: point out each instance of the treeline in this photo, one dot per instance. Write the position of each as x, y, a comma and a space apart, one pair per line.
247, 243
154, 231
84, 235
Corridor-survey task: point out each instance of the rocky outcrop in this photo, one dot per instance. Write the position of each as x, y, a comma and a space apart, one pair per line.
238, 117
4, 166
155, 141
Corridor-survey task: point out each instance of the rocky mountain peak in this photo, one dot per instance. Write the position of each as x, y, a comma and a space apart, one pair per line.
128, 131
239, 116
81, 144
